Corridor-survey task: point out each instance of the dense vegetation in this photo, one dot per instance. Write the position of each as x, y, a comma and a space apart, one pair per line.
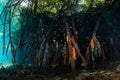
40, 30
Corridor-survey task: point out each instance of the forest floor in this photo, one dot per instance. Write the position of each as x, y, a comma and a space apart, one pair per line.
110, 71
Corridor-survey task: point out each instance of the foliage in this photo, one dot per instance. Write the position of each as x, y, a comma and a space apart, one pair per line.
33, 29
67, 7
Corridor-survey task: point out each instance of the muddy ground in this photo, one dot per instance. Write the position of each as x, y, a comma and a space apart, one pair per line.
110, 71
